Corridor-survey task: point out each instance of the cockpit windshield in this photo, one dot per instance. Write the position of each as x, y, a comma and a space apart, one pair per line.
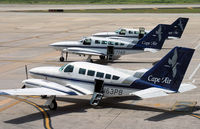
62, 67
117, 31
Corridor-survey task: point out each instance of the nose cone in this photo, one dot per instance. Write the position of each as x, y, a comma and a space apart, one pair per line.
43, 71
64, 44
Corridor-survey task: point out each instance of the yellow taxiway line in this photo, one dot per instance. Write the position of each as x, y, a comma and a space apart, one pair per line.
46, 117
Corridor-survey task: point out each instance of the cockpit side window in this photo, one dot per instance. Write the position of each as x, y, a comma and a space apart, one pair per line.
122, 32
69, 68
87, 42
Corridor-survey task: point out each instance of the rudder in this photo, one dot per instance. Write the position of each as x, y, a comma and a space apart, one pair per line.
168, 73
155, 38
177, 27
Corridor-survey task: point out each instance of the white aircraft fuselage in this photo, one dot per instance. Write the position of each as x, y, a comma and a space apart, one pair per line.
97, 45
117, 82
123, 32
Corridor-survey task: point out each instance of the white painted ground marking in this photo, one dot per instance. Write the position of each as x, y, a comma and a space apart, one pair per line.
197, 46
194, 72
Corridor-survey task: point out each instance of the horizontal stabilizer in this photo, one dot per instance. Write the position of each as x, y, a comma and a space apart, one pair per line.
186, 87
151, 93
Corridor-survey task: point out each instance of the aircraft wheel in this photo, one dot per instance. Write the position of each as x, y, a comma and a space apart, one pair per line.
102, 57
43, 96
91, 60
53, 105
23, 86
62, 59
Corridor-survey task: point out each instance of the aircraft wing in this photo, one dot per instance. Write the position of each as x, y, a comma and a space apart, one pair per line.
152, 92
85, 51
44, 87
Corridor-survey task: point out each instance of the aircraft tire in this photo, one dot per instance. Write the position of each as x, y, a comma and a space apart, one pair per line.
62, 59
53, 105
23, 86
43, 96
102, 57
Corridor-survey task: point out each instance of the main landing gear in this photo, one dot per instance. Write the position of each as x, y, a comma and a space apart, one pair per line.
89, 59
62, 56
102, 57
51, 103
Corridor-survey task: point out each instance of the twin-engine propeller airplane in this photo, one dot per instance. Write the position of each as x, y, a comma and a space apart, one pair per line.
175, 31
112, 48
84, 78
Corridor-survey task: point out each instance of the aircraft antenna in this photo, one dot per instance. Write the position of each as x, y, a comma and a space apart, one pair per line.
26, 71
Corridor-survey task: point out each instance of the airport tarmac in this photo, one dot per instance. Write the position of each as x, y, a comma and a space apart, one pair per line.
24, 40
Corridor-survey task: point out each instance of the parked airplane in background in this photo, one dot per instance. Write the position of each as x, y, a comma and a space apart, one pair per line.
112, 48
175, 31
84, 78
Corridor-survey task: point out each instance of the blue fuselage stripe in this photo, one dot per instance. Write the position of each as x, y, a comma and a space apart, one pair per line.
78, 80
135, 47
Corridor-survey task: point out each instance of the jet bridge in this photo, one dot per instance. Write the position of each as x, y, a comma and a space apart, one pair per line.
98, 92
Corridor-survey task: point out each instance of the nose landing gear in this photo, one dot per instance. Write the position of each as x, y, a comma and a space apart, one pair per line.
62, 57
51, 103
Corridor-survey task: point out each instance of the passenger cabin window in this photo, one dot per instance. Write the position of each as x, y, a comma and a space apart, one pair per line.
130, 32
116, 43
97, 42
82, 71
110, 43
104, 42
100, 74
69, 68
90, 73
87, 42
121, 44
115, 77
108, 76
